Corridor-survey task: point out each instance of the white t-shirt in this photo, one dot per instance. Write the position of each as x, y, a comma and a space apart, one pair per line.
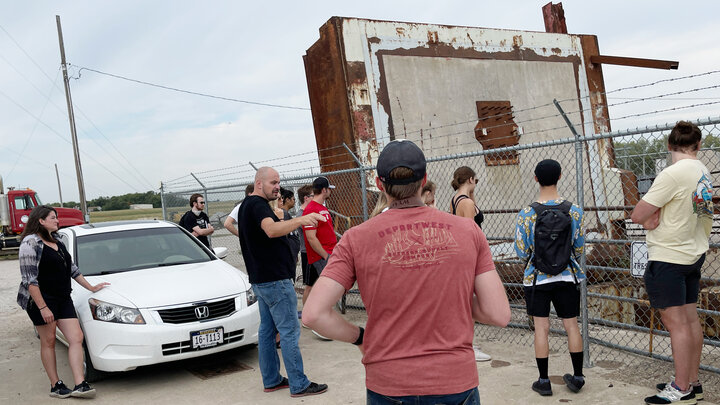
683, 191
234, 213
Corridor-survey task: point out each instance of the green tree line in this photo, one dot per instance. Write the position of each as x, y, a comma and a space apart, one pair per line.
639, 155
119, 202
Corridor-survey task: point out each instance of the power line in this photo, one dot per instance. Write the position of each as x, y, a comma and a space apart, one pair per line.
189, 91
54, 83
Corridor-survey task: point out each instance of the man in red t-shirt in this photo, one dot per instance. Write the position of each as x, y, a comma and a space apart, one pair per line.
424, 276
320, 240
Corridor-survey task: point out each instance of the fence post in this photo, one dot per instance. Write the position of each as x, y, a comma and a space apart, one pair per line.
581, 202
363, 180
162, 201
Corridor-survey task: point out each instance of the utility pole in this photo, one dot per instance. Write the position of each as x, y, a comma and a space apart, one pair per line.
73, 132
58, 179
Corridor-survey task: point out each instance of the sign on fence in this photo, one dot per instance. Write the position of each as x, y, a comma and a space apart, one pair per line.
639, 258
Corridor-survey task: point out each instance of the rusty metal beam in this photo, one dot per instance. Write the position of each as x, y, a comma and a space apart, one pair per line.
554, 17
637, 62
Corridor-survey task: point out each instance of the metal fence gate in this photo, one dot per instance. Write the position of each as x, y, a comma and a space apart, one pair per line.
615, 313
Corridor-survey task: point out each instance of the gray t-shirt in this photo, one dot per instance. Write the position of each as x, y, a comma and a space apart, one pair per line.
301, 233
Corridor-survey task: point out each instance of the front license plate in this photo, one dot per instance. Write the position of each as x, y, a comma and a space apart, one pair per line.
206, 338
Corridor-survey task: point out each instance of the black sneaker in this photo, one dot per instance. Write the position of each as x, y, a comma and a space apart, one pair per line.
671, 395
542, 387
60, 390
574, 383
83, 390
312, 389
696, 389
282, 384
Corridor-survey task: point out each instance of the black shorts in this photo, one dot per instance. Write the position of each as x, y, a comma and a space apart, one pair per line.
565, 297
672, 285
62, 308
310, 275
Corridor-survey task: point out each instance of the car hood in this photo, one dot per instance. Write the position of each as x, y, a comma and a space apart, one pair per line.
171, 285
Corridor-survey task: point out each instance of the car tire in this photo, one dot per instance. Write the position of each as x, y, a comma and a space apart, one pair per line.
91, 374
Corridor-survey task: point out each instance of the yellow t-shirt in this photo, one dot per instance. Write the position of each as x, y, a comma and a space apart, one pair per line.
683, 191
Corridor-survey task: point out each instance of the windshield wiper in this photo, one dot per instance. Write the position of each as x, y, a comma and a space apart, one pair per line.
175, 263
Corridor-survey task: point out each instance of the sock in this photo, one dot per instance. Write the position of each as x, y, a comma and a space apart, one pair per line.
542, 365
577, 363
677, 387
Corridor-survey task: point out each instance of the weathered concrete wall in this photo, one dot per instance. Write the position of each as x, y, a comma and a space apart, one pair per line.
423, 82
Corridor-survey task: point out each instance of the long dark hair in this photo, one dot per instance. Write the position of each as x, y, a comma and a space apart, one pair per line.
33, 225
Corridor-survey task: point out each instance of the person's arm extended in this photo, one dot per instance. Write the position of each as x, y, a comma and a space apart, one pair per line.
230, 225
490, 304
646, 214
314, 242
94, 288
276, 229
318, 313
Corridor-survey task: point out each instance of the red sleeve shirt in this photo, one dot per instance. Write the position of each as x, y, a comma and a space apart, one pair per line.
325, 231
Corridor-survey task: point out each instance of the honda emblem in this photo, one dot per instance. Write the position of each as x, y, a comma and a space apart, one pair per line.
202, 312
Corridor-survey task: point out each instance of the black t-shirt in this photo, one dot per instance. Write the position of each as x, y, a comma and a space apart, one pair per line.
266, 259
190, 221
54, 272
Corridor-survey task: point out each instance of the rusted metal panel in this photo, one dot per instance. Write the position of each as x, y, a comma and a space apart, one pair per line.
330, 90
496, 129
554, 17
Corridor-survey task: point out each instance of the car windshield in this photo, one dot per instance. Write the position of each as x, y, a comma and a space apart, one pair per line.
114, 252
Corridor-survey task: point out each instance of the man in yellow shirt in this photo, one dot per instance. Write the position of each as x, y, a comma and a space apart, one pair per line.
677, 211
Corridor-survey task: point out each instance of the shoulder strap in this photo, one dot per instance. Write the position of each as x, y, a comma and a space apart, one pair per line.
454, 202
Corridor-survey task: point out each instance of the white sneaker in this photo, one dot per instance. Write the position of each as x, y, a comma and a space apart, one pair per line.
319, 335
480, 356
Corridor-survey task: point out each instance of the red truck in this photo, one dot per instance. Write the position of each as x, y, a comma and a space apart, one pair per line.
15, 207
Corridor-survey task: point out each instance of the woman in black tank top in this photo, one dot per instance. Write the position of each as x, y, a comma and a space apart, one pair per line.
463, 183
463, 204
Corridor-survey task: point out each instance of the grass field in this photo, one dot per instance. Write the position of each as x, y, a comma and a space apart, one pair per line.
174, 213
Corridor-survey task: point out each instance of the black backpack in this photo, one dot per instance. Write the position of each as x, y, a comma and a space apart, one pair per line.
553, 237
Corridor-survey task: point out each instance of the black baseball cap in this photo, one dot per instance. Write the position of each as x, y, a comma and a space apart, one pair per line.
401, 153
322, 182
548, 172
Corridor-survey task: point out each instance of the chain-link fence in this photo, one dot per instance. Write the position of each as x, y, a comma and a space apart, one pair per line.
606, 174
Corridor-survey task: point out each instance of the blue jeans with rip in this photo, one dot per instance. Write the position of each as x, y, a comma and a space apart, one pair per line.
278, 314
469, 397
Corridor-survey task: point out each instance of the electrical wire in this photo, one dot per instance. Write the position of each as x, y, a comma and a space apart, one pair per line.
189, 91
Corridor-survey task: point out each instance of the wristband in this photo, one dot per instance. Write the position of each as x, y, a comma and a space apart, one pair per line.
40, 309
359, 340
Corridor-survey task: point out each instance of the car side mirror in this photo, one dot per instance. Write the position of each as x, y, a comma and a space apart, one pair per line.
220, 252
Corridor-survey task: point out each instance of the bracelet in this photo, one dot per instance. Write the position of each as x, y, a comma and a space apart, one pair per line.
40, 309
359, 340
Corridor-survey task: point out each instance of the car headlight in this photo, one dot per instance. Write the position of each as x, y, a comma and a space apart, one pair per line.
250, 296
106, 312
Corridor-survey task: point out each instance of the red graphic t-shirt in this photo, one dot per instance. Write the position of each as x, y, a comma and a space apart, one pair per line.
325, 231
415, 269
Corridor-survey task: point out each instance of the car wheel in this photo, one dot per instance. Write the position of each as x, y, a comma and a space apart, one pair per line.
91, 374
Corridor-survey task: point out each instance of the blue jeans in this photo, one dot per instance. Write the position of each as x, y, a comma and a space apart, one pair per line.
278, 314
469, 397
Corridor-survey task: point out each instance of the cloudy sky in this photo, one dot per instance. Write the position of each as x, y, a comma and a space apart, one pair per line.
133, 136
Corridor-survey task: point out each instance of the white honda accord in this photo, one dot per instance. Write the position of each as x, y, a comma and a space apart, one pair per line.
169, 298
